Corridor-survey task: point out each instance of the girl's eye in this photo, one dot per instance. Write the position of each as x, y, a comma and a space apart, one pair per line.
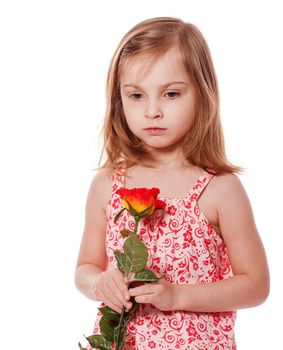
136, 96
172, 94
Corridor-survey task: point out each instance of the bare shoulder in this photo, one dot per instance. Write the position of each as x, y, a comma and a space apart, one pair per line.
219, 193
228, 189
234, 211
224, 198
100, 187
226, 181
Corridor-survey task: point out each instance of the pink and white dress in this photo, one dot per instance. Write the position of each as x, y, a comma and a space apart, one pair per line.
183, 246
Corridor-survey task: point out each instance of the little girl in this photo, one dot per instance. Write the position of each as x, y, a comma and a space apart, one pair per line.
162, 129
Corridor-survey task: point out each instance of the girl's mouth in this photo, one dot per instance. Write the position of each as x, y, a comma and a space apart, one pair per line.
155, 131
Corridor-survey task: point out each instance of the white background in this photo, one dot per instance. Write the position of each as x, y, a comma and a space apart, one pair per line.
53, 63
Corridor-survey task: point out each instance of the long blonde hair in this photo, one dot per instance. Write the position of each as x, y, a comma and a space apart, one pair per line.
203, 146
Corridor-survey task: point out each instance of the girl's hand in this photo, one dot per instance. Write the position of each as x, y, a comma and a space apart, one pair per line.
161, 294
111, 288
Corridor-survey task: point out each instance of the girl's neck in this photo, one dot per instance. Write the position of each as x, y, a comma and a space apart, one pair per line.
174, 164
163, 162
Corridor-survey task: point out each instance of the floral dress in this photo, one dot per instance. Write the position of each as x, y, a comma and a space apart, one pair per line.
183, 246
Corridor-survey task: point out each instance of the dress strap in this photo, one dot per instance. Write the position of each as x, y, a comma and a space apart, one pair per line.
118, 180
200, 185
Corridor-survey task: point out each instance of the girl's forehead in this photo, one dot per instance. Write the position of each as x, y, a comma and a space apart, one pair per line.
166, 64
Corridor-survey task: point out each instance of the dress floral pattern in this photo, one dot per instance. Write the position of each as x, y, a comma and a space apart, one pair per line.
183, 246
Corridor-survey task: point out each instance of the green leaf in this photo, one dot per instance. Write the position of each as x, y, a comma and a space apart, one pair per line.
118, 215
136, 252
126, 233
123, 262
81, 348
107, 328
109, 313
145, 276
99, 342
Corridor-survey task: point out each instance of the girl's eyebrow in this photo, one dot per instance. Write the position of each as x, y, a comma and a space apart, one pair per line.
163, 86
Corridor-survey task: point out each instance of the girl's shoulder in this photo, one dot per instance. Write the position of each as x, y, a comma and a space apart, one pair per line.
101, 186
226, 182
223, 197
226, 189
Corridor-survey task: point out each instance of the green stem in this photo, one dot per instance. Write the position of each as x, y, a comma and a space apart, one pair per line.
120, 327
137, 219
121, 320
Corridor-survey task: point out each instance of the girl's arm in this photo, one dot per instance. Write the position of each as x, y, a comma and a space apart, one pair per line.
92, 277
250, 284
92, 260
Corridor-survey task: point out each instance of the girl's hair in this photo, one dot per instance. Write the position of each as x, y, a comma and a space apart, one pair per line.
203, 146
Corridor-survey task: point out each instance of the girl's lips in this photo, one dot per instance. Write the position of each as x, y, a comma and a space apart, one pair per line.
155, 131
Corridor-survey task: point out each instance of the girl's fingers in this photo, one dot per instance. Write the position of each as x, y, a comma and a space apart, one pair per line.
148, 288
113, 307
113, 291
112, 301
116, 296
121, 291
121, 285
118, 308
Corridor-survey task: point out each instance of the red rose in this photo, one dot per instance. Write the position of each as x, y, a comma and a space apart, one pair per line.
141, 202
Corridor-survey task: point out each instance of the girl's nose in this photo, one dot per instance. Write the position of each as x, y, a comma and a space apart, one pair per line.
153, 111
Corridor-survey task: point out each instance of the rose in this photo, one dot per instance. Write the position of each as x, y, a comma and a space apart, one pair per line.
140, 203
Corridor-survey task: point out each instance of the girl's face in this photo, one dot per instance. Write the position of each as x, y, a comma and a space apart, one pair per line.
158, 100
